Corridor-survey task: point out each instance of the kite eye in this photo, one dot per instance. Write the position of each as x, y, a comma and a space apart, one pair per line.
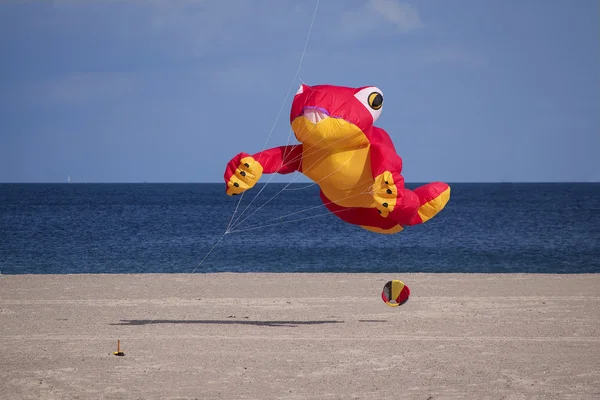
375, 100
372, 98
300, 90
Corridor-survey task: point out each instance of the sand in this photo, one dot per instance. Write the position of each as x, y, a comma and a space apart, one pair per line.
299, 336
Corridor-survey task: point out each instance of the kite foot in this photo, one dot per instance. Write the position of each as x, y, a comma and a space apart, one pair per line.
242, 173
433, 197
385, 193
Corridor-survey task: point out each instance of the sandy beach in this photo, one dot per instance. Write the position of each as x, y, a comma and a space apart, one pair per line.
299, 336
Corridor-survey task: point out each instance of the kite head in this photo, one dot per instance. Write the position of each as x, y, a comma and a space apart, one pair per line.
335, 117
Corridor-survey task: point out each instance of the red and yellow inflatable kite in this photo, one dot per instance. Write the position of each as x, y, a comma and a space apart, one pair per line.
354, 163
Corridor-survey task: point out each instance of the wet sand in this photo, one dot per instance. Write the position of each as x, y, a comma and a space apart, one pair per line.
299, 336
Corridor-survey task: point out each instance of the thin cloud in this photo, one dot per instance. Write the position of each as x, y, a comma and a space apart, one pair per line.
202, 26
449, 55
378, 16
205, 25
193, 26
83, 88
404, 16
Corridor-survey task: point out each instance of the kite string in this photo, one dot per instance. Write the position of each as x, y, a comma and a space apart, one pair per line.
328, 213
270, 132
300, 212
285, 188
284, 162
236, 224
305, 153
312, 22
308, 35
294, 178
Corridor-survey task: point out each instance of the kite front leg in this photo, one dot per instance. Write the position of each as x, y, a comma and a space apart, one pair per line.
392, 199
244, 170
405, 206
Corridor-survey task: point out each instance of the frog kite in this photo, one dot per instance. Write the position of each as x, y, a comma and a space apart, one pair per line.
354, 162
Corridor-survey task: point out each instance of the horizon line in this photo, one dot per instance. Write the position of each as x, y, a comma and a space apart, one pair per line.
261, 183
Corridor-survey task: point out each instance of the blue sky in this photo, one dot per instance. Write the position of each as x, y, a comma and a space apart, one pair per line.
169, 91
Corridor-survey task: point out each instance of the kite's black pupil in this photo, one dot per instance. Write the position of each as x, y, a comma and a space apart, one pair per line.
378, 100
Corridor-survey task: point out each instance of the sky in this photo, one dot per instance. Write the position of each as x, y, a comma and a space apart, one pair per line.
171, 90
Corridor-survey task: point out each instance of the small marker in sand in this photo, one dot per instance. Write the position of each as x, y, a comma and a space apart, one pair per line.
119, 352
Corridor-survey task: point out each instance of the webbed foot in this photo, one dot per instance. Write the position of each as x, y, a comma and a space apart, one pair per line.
433, 197
385, 193
242, 173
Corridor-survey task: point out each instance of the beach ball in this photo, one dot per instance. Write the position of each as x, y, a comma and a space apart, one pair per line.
395, 293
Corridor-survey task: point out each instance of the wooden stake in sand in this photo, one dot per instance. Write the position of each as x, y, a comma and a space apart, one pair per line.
119, 352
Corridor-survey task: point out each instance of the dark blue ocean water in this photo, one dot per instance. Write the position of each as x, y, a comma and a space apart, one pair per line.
149, 228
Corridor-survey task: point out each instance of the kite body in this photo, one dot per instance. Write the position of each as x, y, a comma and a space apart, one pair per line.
354, 163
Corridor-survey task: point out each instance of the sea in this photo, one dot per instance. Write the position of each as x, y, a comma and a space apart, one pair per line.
98, 228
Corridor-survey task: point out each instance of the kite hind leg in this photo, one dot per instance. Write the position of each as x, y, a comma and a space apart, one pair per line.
433, 197
366, 218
